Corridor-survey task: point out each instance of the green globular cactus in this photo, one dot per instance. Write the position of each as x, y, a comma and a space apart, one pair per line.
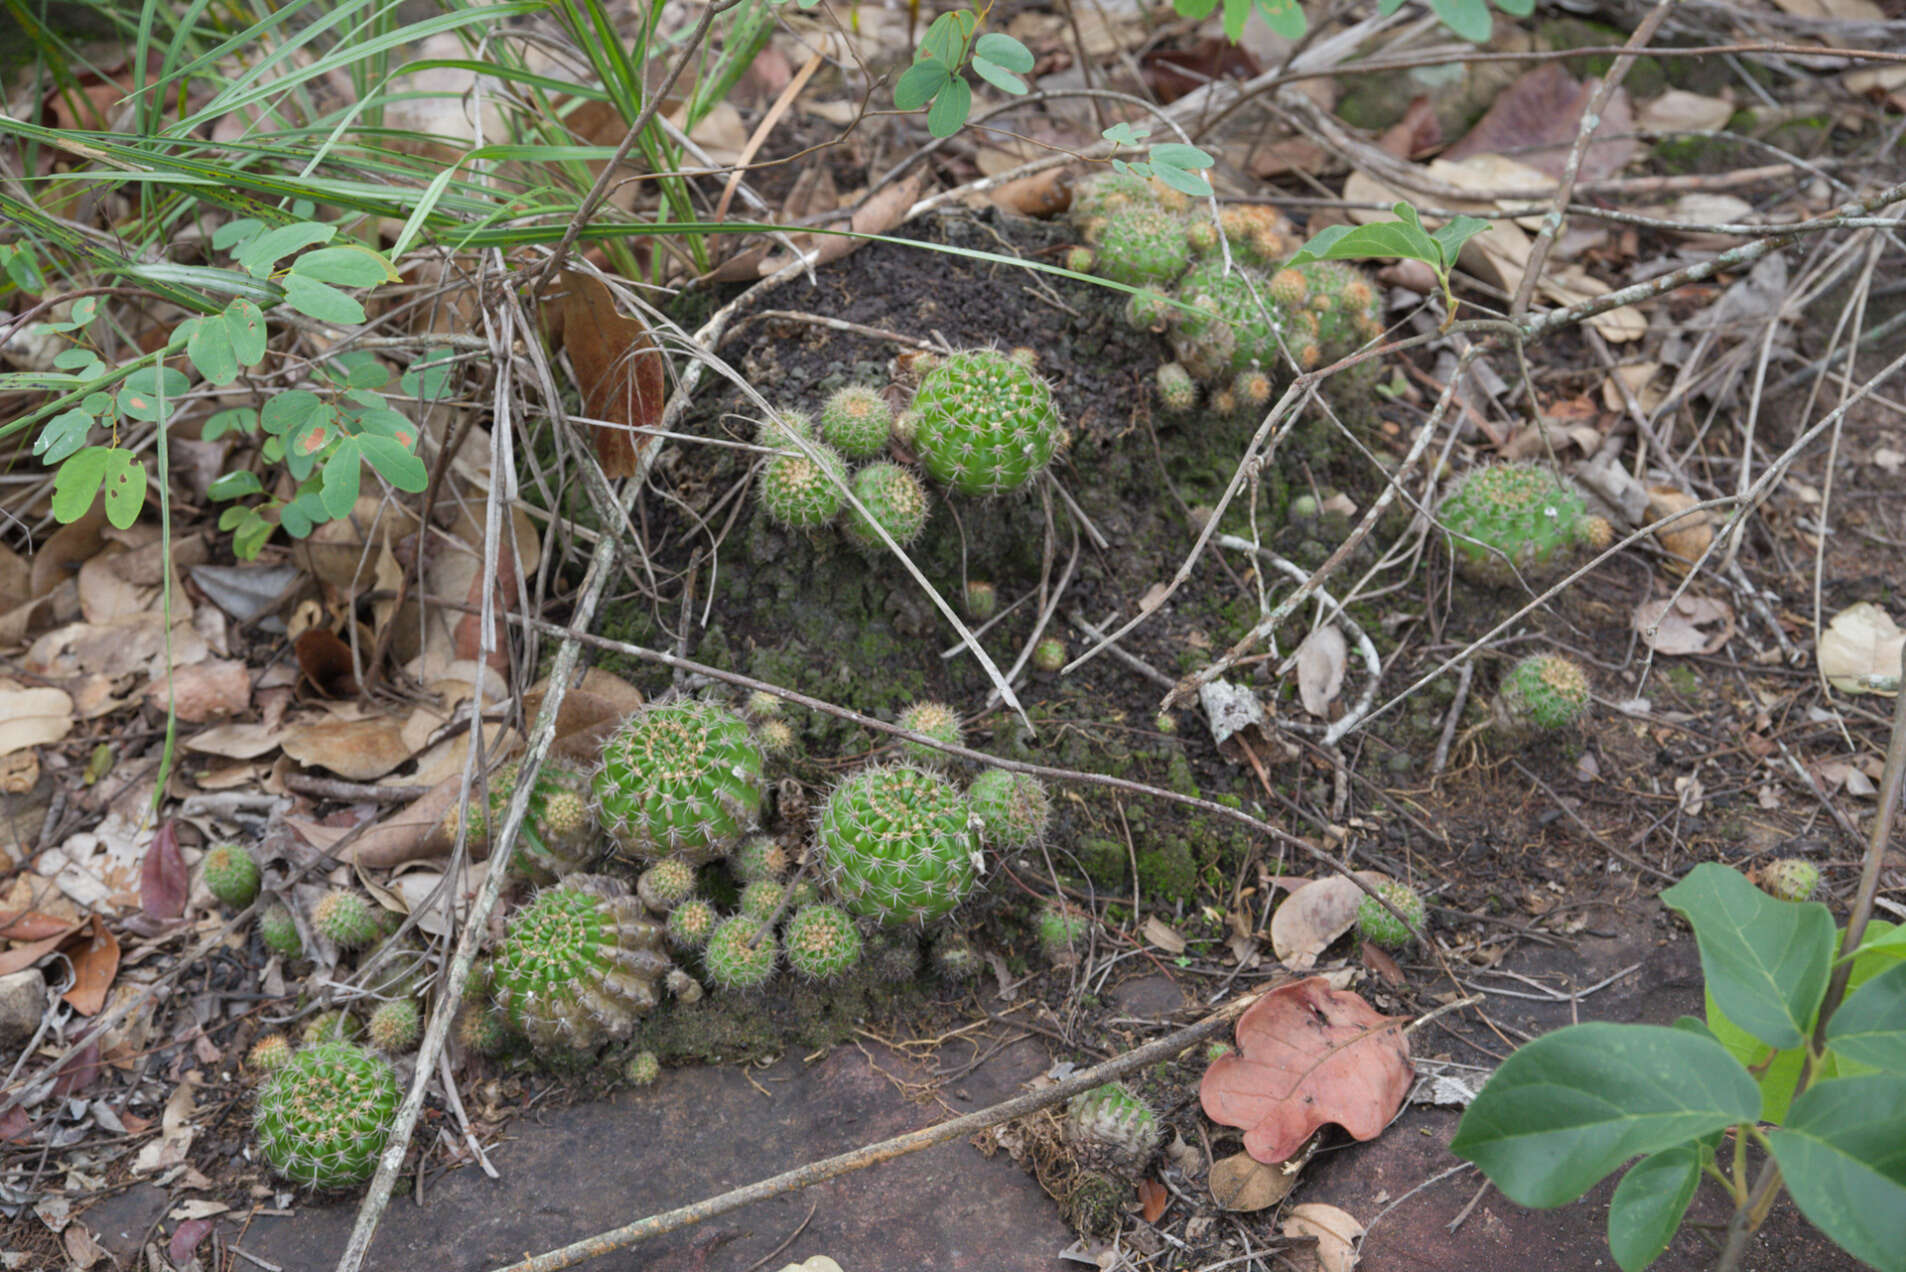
643, 1069
761, 705
1062, 934
1379, 926
857, 422
1790, 879
986, 423
269, 1054
482, 1031
330, 1026
325, 1117
760, 899
1252, 389
804, 491
279, 931
347, 919
680, 777
821, 942
1177, 391
1505, 520
1142, 247
740, 954
1049, 655
1148, 309
691, 922
231, 875
893, 957
758, 857
1543, 692
1110, 1128
1224, 329
937, 721
1342, 304
955, 959
1080, 260
1011, 809
579, 964
894, 500
780, 433
557, 837
666, 884
981, 600
394, 1027
775, 737
895, 844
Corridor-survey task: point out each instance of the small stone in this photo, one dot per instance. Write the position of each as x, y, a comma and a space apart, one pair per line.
22, 1004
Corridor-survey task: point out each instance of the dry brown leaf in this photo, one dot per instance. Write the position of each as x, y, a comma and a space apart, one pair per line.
210, 689
1840, 10
1162, 934
1242, 1183
1336, 1233
1858, 653
1320, 665
33, 717
1685, 539
1316, 914
619, 369
1678, 110
94, 953
1308, 1055
1537, 118
359, 750
241, 741
1689, 625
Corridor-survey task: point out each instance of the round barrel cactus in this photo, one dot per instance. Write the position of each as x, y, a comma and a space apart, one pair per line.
279, 931
1508, 519
740, 954
325, 1115
1542, 692
1142, 246
1378, 925
1010, 809
558, 833
895, 844
1111, 1128
1790, 878
857, 421
579, 964
803, 491
681, 777
937, 721
822, 942
231, 875
986, 423
895, 501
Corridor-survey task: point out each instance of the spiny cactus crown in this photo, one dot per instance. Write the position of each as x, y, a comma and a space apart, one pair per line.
955, 959
690, 923
666, 884
1226, 330
326, 1115
1011, 809
938, 721
740, 953
395, 1026
1512, 515
557, 836
895, 501
269, 1054
1543, 691
1141, 246
981, 599
680, 777
779, 433
986, 423
893, 957
1790, 878
895, 844
758, 857
1062, 933
803, 491
1379, 926
1110, 1127
578, 964
822, 942
330, 1026
857, 422
347, 919
760, 899
1177, 391
1342, 304
279, 931
231, 875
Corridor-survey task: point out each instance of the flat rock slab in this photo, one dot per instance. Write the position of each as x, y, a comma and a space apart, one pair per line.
696, 1133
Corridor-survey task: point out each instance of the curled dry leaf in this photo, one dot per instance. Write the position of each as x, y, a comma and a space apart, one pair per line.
33, 717
1336, 1233
1307, 1055
619, 369
1314, 915
163, 878
1688, 625
1240, 1182
1860, 650
359, 750
1320, 664
1685, 538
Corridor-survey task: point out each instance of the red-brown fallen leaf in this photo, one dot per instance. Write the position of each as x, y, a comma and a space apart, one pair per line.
95, 958
618, 368
1308, 1054
31, 925
186, 1238
1536, 120
163, 878
1152, 1199
325, 660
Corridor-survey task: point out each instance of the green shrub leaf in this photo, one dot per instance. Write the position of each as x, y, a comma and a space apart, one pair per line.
950, 108
1284, 17
246, 325
919, 84
352, 265
998, 76
322, 301
394, 462
233, 419
1004, 51
1649, 1203
1467, 18
262, 254
119, 472
62, 436
150, 394
1843, 1156
1567, 1109
341, 473
1765, 960
210, 349
284, 412
1870, 1027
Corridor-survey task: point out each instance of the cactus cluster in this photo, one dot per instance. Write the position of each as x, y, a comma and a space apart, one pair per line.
680, 777
1505, 520
691, 923
325, 1116
1010, 809
579, 964
230, 875
1541, 693
1378, 926
986, 423
803, 491
557, 837
1109, 1128
895, 844
804, 487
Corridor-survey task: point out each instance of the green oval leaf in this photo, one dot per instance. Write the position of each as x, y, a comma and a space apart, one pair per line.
1842, 1155
322, 301
1467, 18
1004, 51
1649, 1204
950, 108
341, 478
352, 265
62, 436
286, 411
1870, 1026
77, 483
998, 76
265, 251
124, 482
235, 485
1567, 1109
919, 84
1284, 17
245, 323
210, 349
394, 462
1765, 960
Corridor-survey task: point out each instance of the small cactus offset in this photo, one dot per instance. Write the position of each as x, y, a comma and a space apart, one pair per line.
231, 875
937, 721
681, 777
780, 433
1110, 1128
955, 959
1505, 520
986, 424
895, 844
643, 1069
666, 884
1177, 391
1142, 247
758, 857
822, 942
1543, 692
804, 491
1062, 934
857, 422
1790, 879
482, 1031
329, 1026
691, 923
981, 600
775, 737
740, 953
1049, 655
325, 1116
1342, 305
347, 919
893, 957
557, 836
579, 964
1011, 809
895, 501
394, 1027
760, 899
279, 931
269, 1054
1378, 926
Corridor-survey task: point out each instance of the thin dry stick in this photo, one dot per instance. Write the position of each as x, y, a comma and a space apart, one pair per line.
887, 1150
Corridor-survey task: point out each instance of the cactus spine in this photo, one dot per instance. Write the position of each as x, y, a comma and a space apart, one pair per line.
740, 954
1543, 692
347, 919
857, 422
822, 942
1111, 1128
1011, 809
1378, 925
895, 501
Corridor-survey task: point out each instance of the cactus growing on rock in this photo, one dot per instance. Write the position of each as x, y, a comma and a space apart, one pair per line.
857, 422
1011, 809
894, 500
230, 875
821, 942
1543, 692
324, 1117
1110, 1128
1502, 520
986, 423
279, 931
682, 778
803, 491
895, 844
395, 1026
1790, 878
740, 953
347, 919
1378, 926
937, 721
579, 964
